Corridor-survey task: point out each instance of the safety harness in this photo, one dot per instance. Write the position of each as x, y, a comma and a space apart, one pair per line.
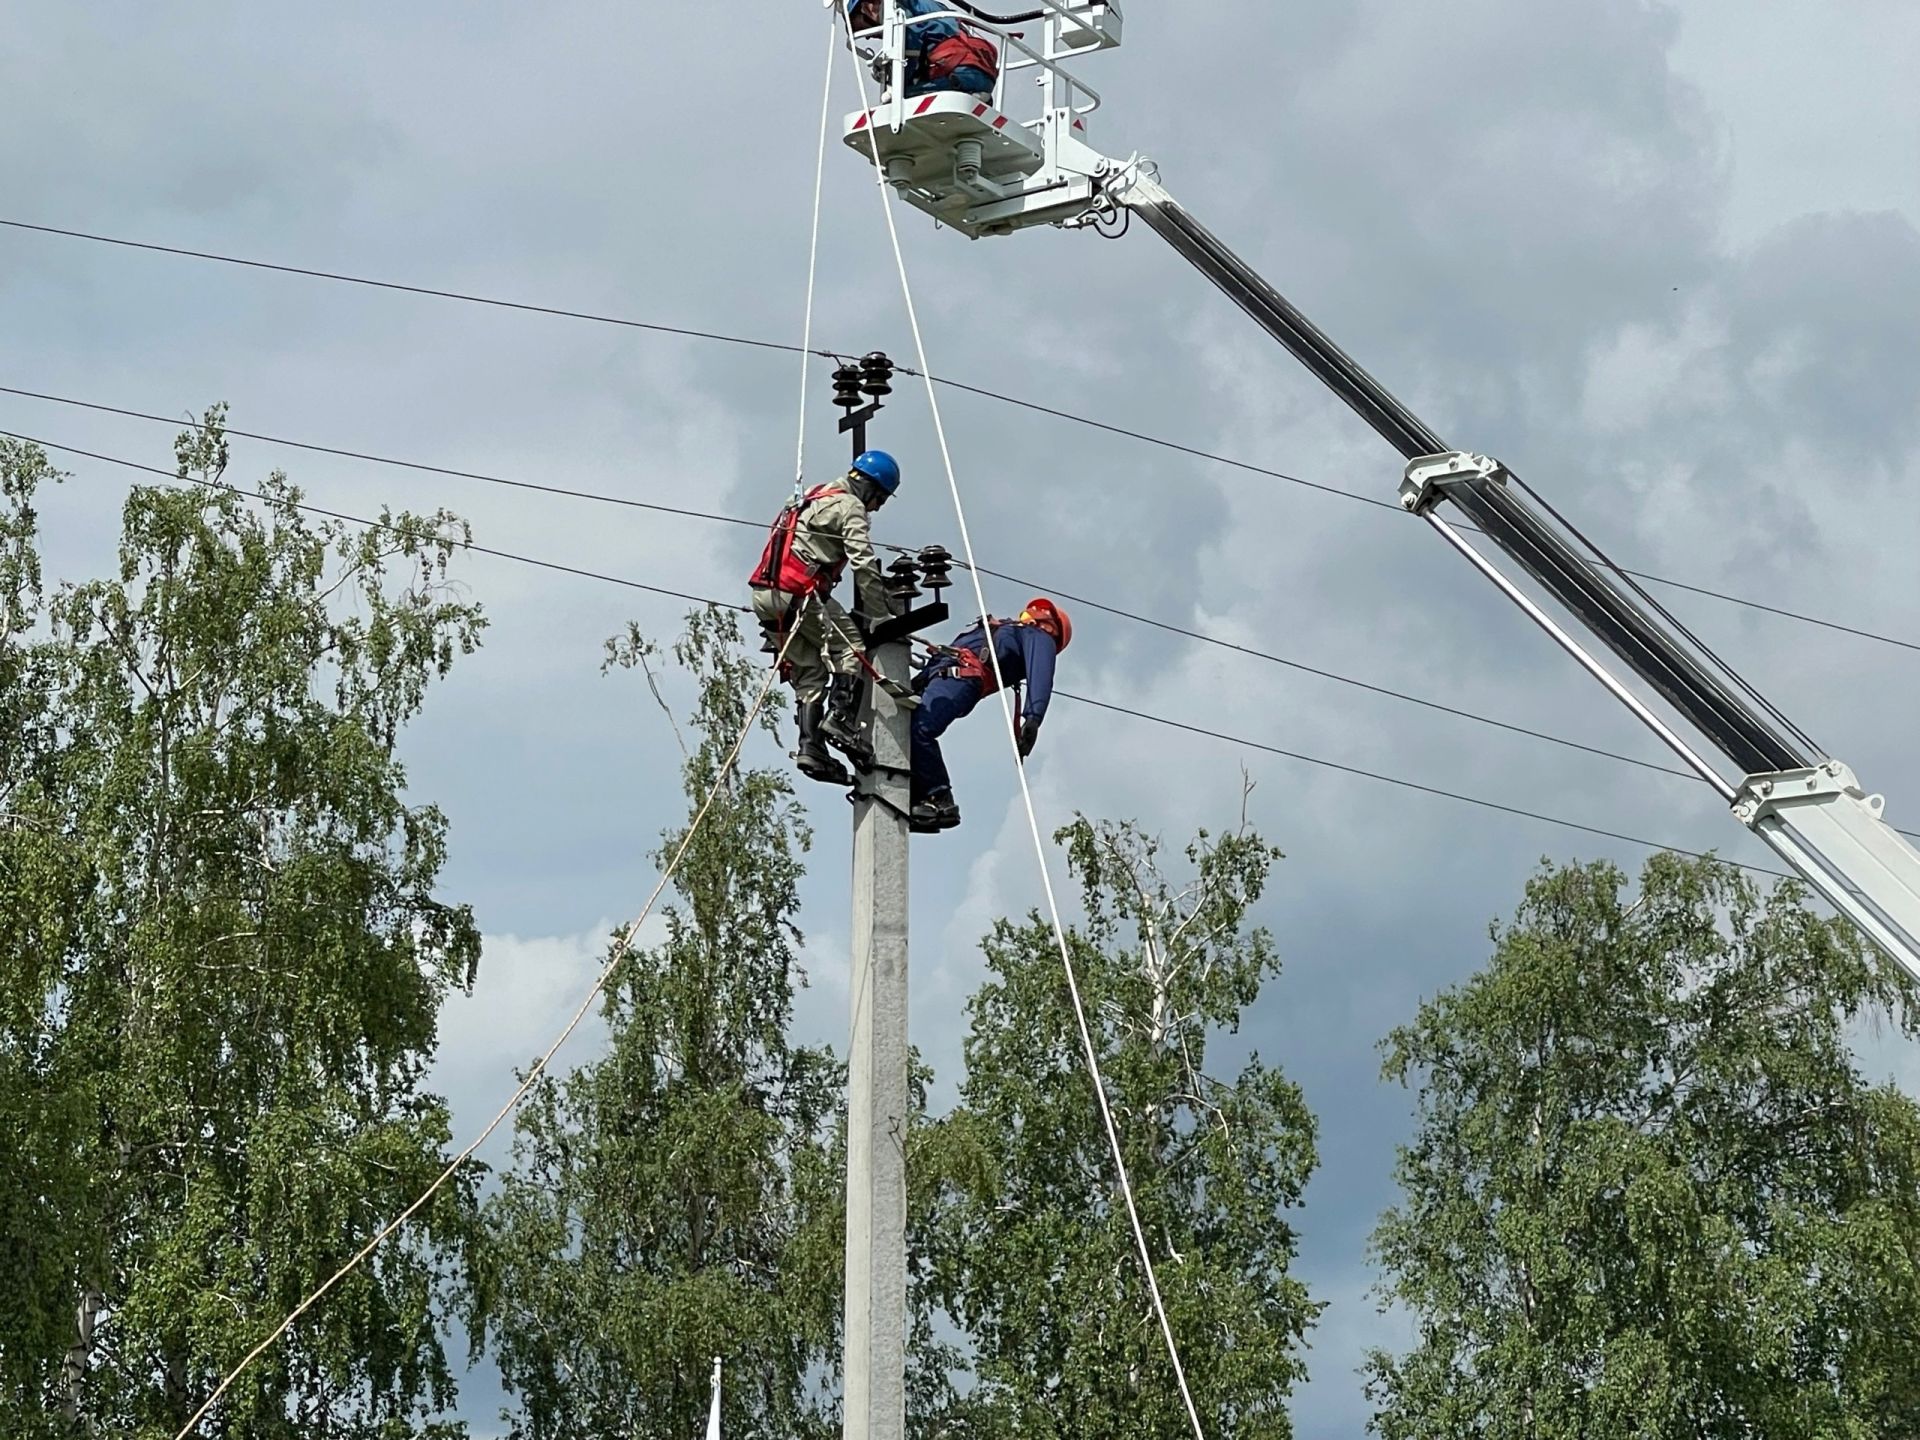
965, 664
950, 54
782, 567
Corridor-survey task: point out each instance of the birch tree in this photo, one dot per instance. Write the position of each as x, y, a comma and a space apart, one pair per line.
1651, 1192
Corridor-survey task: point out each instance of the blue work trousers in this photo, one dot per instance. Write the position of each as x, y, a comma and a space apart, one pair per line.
944, 701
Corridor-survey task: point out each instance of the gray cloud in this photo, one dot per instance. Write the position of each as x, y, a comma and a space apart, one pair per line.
1665, 265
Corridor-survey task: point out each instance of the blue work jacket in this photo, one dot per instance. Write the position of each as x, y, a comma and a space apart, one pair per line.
1026, 654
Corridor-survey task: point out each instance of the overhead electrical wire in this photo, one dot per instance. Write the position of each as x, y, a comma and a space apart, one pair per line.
526, 307
598, 497
1042, 586
1355, 770
361, 520
1039, 585
982, 392
174, 478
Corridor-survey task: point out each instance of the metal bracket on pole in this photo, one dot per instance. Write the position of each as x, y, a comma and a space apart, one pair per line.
912, 623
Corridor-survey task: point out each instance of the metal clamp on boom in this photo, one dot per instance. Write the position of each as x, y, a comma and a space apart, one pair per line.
1824, 824
1429, 477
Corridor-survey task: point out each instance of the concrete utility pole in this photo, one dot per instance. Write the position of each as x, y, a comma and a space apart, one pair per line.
875, 1402
876, 1346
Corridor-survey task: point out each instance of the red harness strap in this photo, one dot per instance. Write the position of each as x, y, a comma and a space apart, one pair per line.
781, 566
970, 665
950, 54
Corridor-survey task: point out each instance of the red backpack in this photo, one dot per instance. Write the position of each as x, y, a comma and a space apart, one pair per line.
782, 567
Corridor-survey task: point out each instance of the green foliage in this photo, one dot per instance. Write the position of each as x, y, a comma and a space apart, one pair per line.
1651, 1194
45, 1198
679, 1198
1028, 1246
223, 964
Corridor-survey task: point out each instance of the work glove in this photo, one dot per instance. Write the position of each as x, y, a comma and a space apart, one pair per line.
1029, 734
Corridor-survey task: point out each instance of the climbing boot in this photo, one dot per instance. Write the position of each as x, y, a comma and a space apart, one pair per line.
842, 726
811, 758
935, 813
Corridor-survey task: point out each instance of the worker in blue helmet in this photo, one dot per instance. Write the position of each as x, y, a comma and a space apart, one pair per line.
942, 54
818, 536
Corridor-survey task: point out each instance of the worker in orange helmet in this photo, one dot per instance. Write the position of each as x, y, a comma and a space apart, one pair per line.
959, 676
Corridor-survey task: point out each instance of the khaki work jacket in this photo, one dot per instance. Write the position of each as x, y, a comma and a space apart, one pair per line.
835, 530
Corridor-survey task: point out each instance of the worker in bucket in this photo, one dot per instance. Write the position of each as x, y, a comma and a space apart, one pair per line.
815, 539
959, 676
942, 54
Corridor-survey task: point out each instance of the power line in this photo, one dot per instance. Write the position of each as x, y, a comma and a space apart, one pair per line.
999, 397
178, 480
1037, 585
1344, 494
1401, 695
404, 289
361, 520
1133, 617
1403, 784
311, 447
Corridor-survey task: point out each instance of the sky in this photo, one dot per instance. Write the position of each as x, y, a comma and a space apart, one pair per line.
1663, 264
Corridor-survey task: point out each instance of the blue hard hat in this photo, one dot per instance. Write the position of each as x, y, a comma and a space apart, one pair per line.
881, 468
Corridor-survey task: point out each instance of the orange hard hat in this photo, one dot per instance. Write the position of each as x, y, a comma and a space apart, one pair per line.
1049, 616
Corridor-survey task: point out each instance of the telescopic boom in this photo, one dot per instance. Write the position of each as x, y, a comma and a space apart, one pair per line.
961, 159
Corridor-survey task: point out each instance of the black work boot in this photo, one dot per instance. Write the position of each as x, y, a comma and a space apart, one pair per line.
935, 813
811, 758
842, 727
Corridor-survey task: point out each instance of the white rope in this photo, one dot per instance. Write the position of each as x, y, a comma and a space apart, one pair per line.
813, 262
622, 947
1019, 766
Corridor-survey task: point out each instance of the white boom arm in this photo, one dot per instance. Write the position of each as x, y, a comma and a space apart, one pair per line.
962, 160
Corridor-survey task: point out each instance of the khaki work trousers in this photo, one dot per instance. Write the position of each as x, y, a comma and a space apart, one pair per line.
824, 643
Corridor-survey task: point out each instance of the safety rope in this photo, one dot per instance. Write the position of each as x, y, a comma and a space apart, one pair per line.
622, 948
1019, 766
813, 264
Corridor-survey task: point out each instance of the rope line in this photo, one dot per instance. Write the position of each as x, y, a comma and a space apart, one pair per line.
621, 949
1019, 764
813, 265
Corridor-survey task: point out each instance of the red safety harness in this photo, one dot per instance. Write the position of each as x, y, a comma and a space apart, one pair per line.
950, 54
784, 568
972, 665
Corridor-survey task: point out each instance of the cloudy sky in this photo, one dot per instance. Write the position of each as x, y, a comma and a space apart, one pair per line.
1664, 264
